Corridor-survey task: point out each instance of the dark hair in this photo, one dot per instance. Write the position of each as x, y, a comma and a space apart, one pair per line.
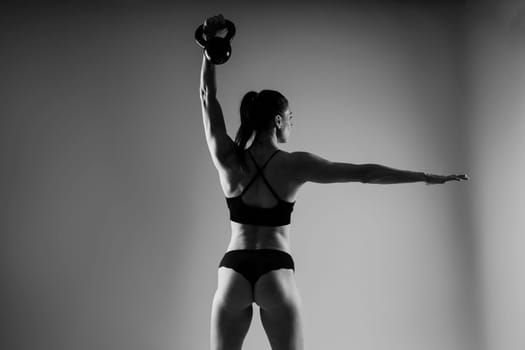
257, 113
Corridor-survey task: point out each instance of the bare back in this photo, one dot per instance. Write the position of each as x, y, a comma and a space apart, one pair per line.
278, 172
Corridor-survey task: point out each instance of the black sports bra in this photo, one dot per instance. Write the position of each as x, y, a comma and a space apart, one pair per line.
243, 213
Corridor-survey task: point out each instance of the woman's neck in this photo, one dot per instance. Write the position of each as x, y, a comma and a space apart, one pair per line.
264, 142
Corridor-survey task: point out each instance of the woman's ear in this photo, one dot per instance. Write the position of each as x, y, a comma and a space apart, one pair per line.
278, 121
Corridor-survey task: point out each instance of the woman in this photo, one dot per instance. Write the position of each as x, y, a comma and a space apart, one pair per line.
260, 184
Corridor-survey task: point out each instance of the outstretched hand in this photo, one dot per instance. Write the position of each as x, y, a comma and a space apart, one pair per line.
215, 26
432, 179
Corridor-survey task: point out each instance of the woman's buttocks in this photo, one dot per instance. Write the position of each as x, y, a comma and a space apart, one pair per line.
259, 237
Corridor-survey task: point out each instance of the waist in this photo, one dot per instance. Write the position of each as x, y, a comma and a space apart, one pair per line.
245, 236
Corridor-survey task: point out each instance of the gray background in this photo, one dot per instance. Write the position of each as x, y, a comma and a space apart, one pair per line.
113, 220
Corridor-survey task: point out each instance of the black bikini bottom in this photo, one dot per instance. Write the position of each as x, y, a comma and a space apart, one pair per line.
253, 263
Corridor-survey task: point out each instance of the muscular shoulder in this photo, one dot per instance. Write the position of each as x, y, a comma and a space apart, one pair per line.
302, 160
303, 163
302, 156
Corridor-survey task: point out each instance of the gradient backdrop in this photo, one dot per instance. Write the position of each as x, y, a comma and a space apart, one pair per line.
113, 221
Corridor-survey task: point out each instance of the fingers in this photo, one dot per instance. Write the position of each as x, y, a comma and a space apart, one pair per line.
461, 177
458, 178
215, 21
433, 179
215, 26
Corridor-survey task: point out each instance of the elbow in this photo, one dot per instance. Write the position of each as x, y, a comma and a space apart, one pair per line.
378, 174
203, 93
206, 94
370, 174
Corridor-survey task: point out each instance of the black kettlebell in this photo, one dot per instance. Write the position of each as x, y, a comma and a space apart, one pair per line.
218, 50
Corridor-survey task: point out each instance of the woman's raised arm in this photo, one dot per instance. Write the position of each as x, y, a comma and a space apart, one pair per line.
221, 146
309, 167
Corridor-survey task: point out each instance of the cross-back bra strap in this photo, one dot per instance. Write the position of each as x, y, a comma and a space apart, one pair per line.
265, 163
259, 172
268, 160
270, 187
250, 183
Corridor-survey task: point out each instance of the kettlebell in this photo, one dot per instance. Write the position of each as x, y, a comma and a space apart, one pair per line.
218, 50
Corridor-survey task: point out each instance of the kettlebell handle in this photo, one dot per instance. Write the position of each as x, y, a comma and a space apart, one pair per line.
199, 33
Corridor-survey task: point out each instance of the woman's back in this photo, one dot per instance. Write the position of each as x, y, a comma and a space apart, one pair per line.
260, 202
266, 180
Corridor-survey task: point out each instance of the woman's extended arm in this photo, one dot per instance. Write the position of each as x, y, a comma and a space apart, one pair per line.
312, 168
219, 143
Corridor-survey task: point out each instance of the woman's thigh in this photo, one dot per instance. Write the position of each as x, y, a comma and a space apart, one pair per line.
277, 295
231, 310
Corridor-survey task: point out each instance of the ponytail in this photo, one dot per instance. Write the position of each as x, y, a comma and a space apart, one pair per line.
246, 129
257, 113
